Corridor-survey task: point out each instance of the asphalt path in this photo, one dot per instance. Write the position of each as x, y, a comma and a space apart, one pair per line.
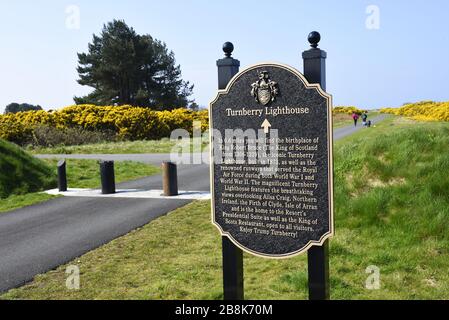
36, 239
41, 237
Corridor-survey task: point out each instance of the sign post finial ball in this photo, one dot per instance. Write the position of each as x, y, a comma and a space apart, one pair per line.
314, 37
228, 47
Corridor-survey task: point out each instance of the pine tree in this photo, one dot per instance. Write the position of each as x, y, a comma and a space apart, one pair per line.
126, 68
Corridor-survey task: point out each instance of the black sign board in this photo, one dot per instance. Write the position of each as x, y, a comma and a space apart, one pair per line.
271, 168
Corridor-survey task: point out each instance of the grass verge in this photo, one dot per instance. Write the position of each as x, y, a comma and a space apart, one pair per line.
125, 147
20, 201
392, 205
86, 173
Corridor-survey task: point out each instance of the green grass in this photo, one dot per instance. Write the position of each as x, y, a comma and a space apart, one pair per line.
24, 200
21, 173
124, 147
86, 173
392, 208
21, 178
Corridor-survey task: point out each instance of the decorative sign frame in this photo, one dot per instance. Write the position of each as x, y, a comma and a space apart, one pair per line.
282, 214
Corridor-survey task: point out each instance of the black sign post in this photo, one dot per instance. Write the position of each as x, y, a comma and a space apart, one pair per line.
318, 256
232, 256
271, 168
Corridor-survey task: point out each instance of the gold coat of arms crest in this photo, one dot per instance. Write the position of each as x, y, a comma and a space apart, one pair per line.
264, 90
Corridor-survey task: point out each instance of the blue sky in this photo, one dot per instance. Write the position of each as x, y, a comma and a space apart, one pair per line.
406, 59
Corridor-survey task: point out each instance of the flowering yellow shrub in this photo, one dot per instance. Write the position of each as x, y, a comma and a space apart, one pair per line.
425, 110
130, 123
389, 110
348, 110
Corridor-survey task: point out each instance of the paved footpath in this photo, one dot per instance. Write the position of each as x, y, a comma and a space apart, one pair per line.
39, 238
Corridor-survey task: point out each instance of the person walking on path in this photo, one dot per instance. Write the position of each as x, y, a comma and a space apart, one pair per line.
364, 118
355, 116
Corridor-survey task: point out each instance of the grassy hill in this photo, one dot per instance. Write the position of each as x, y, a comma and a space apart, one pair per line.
392, 208
21, 173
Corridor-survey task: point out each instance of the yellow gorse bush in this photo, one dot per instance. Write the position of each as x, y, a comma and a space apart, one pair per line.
347, 110
425, 110
128, 122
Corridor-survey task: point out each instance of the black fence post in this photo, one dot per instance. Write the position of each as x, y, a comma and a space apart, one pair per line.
315, 61
232, 255
170, 179
107, 177
62, 176
232, 270
318, 256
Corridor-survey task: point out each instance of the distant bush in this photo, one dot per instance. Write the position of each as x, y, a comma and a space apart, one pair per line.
348, 110
424, 110
47, 136
23, 107
113, 122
